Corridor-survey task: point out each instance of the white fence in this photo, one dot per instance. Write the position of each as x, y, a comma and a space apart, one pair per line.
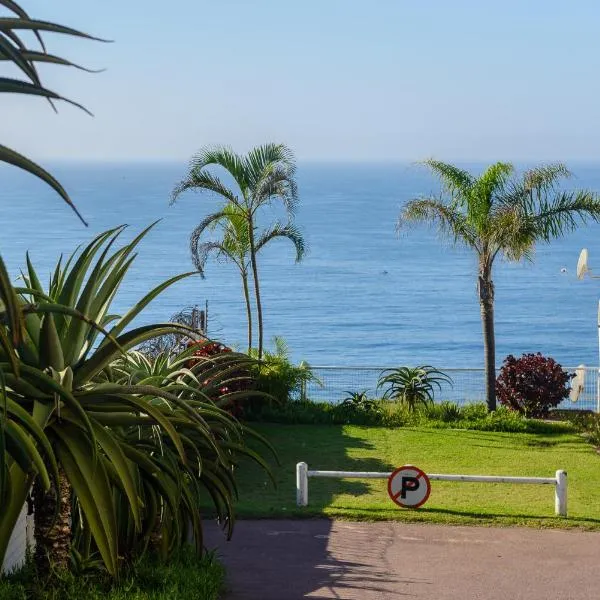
559, 481
468, 385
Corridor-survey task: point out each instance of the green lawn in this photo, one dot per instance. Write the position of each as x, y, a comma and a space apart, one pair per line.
354, 448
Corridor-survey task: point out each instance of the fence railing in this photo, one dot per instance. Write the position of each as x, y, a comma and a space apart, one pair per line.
559, 481
468, 385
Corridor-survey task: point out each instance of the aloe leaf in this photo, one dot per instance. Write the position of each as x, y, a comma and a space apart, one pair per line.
135, 311
116, 456
92, 487
21, 447
51, 353
108, 352
34, 56
11, 24
22, 162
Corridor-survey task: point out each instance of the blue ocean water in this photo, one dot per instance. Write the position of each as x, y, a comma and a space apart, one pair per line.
364, 295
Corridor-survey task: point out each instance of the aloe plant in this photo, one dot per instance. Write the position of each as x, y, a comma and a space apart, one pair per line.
139, 443
208, 471
413, 386
50, 412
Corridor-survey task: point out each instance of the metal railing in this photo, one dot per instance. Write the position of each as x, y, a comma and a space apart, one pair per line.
468, 386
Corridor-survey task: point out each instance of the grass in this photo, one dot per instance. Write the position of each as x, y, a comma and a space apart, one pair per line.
185, 576
357, 448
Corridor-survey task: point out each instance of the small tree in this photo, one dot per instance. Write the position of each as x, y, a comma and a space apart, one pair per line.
532, 384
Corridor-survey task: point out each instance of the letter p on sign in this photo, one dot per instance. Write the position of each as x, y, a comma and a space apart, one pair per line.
409, 487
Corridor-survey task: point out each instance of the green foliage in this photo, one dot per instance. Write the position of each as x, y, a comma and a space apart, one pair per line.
384, 413
447, 412
359, 402
143, 443
185, 576
277, 376
414, 386
587, 423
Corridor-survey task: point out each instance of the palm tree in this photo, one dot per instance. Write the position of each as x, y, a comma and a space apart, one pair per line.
267, 173
233, 246
500, 213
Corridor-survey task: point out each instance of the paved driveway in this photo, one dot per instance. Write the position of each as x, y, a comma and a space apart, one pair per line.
322, 559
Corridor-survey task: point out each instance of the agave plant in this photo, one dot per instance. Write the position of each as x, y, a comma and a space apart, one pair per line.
53, 430
15, 52
208, 468
413, 386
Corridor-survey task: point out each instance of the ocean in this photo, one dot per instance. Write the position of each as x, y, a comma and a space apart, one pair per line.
364, 295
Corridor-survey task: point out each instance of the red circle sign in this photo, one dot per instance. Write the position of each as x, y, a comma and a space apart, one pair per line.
409, 487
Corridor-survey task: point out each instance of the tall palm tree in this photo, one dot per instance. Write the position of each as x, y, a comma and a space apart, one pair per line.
500, 213
264, 175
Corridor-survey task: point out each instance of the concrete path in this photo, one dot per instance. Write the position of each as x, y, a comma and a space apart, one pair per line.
321, 559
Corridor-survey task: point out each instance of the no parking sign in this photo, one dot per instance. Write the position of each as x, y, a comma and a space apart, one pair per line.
409, 487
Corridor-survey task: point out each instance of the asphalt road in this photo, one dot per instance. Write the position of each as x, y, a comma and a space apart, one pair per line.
322, 559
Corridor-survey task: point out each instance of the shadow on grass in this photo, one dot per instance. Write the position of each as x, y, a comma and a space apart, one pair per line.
469, 517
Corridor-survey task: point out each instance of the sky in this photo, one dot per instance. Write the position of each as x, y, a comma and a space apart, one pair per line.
336, 80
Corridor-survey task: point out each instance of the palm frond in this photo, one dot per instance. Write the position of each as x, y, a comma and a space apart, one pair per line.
224, 157
545, 178
288, 231
200, 180
487, 188
456, 181
564, 212
449, 220
262, 159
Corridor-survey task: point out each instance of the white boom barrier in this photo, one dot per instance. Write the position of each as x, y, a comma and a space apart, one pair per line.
559, 481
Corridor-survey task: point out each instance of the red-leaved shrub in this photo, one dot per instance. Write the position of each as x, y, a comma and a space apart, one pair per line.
238, 380
532, 384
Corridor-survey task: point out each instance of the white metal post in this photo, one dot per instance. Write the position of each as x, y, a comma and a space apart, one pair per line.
560, 497
302, 484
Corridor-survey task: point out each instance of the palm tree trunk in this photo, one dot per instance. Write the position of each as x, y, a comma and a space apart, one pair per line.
256, 287
486, 303
52, 536
248, 308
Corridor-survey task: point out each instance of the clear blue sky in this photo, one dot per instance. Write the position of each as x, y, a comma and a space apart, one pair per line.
334, 79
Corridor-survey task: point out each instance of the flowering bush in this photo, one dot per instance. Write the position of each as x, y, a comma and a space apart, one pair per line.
532, 384
240, 379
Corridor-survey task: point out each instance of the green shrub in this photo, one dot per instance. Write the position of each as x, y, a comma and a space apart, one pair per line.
392, 414
586, 422
447, 412
473, 412
184, 576
279, 377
